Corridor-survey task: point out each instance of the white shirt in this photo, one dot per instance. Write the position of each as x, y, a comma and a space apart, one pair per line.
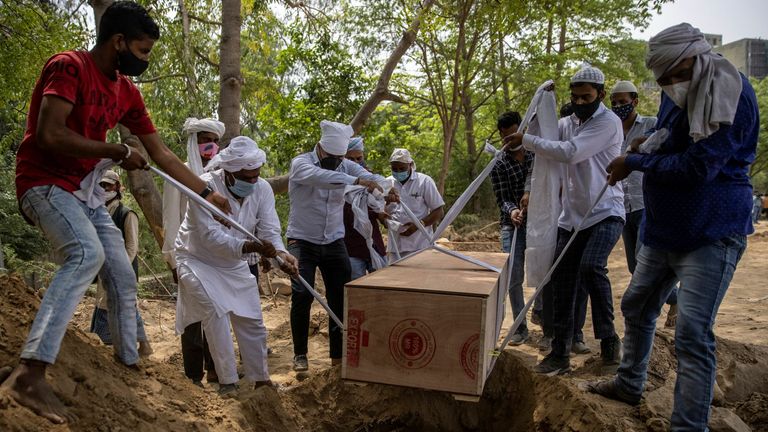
633, 185
585, 150
214, 254
420, 194
317, 198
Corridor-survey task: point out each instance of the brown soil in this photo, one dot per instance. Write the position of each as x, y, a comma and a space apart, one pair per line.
107, 396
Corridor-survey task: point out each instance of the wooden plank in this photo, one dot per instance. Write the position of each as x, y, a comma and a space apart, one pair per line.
432, 271
414, 339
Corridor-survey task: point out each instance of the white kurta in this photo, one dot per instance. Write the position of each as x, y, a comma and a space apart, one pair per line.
213, 253
420, 194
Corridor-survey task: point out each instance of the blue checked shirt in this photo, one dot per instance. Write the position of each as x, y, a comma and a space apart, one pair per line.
508, 180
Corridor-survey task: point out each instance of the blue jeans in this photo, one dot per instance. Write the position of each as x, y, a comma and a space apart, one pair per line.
516, 298
632, 244
85, 242
704, 275
360, 267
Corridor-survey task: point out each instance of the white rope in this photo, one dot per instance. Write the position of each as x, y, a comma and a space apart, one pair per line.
213, 209
521, 316
462, 201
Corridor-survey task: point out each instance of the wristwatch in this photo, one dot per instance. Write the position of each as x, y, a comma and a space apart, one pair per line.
207, 191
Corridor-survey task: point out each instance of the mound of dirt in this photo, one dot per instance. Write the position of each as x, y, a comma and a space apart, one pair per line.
325, 403
103, 394
109, 397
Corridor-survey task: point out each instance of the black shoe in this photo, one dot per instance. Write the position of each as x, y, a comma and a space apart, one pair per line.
610, 350
612, 390
519, 338
300, 363
579, 347
553, 365
227, 389
536, 317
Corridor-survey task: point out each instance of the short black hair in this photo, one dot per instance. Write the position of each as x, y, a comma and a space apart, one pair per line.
508, 119
127, 18
598, 87
566, 110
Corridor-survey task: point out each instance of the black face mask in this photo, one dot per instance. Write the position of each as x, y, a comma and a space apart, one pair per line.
585, 111
330, 163
129, 64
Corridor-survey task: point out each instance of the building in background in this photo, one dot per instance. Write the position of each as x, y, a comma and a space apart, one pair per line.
714, 39
750, 56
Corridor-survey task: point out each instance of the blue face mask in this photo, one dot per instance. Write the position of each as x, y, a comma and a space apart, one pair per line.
241, 188
401, 176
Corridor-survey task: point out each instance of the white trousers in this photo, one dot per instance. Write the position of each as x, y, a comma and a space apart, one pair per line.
251, 337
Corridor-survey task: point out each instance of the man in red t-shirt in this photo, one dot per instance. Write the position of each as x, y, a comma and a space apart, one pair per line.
79, 96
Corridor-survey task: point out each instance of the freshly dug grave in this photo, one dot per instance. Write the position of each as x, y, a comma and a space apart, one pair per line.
110, 397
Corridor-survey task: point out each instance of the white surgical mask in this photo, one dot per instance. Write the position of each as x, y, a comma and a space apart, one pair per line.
678, 92
110, 195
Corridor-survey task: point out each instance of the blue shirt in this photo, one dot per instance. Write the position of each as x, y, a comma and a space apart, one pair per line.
698, 193
317, 198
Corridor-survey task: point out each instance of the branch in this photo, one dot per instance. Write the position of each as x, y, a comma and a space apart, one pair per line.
203, 20
158, 78
381, 92
389, 96
205, 58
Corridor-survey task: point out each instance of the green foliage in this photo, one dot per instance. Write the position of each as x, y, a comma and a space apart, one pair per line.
759, 169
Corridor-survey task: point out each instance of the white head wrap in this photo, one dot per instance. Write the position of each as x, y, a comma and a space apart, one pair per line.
356, 143
335, 137
624, 87
192, 127
714, 78
241, 153
589, 74
401, 155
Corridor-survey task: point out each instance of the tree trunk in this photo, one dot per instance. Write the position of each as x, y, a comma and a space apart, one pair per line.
230, 78
142, 187
189, 67
99, 6
454, 113
503, 73
381, 92
469, 137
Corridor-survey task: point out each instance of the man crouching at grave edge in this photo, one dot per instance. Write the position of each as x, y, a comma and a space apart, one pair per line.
315, 233
585, 149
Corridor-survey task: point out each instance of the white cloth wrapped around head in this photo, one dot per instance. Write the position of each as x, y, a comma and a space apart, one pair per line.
356, 143
192, 127
672, 45
401, 155
241, 153
712, 95
335, 137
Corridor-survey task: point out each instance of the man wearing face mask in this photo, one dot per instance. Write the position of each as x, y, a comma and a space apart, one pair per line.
215, 283
128, 222
419, 192
697, 196
590, 139
202, 145
624, 100
357, 248
79, 96
315, 234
